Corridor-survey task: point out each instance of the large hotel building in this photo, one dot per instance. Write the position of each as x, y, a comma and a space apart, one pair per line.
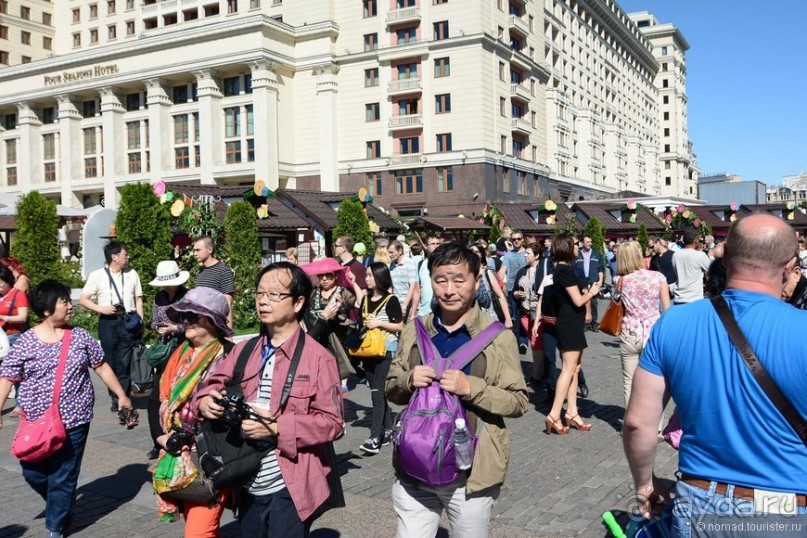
433, 105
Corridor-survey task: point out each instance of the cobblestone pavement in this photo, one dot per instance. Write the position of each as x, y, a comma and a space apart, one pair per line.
555, 486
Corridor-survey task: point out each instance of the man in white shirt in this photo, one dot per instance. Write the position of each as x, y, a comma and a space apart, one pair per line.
690, 264
403, 274
111, 292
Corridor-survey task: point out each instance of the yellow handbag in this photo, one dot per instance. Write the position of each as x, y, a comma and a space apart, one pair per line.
374, 343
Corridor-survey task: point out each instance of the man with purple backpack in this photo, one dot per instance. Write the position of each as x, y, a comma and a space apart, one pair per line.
460, 356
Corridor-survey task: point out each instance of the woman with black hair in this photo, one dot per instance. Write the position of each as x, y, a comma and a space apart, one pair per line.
380, 310
33, 361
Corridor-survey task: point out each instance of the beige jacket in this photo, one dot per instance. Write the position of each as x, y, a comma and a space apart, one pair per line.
498, 390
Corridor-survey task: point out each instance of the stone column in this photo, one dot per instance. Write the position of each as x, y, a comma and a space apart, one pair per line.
70, 150
113, 140
265, 121
327, 93
29, 153
160, 129
210, 125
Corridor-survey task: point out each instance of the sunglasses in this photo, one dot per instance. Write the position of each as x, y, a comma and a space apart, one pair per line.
189, 318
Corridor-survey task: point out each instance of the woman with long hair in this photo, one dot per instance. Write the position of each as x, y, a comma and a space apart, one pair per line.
380, 310
33, 361
571, 300
644, 294
525, 293
490, 284
203, 315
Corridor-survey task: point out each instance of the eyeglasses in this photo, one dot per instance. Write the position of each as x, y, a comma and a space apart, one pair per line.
337, 245
273, 296
329, 276
517, 238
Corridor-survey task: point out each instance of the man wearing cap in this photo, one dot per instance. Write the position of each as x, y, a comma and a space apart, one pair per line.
343, 251
111, 292
214, 273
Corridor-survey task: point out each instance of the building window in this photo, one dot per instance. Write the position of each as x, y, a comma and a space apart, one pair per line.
405, 36
11, 176
371, 77
409, 181
25, 13
666, 148
370, 8
182, 157
3, 57
232, 86
94, 36
47, 19
521, 179
374, 184
443, 142
232, 151
130, 28
135, 163
93, 11
181, 129
440, 30
502, 71
11, 151
409, 145
407, 71
518, 147
76, 15
130, 5
3, 32
666, 131
665, 83
370, 42
50, 172
442, 103
250, 150
534, 120
517, 110
77, 40
666, 99
373, 149
25, 37
110, 7
90, 145
250, 121
47, 43
232, 6
442, 67
502, 106
132, 101
180, 94
503, 144
668, 181
25, 59
49, 146
133, 134
664, 50
372, 112
256, 4
91, 167
232, 122
112, 32
666, 115
407, 107
438, 2
445, 178
48, 115
10, 121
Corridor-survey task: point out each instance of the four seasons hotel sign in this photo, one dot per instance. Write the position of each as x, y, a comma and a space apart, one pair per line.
81, 74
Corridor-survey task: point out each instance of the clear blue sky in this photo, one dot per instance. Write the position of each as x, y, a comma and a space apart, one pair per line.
746, 82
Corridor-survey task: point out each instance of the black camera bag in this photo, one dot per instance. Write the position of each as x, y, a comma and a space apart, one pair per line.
225, 457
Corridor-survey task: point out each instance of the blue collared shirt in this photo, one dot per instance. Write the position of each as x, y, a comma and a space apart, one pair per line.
448, 342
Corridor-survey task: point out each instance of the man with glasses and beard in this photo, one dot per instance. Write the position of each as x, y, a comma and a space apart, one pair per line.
343, 252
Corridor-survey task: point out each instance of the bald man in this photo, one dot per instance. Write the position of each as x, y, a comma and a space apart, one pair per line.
737, 449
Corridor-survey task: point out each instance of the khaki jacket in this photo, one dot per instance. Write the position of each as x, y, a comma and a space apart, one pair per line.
498, 390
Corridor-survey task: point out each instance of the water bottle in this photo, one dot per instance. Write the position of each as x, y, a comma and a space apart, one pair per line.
463, 446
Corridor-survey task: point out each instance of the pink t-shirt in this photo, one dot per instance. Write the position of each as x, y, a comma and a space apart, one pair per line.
640, 296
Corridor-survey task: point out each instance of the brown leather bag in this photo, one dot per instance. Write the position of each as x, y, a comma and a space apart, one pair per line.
611, 322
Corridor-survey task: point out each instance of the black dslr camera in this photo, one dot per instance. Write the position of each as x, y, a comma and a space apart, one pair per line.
179, 440
235, 410
119, 309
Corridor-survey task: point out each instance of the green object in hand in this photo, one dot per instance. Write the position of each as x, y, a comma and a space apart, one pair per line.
612, 525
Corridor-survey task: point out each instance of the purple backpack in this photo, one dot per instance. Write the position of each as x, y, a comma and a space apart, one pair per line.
425, 428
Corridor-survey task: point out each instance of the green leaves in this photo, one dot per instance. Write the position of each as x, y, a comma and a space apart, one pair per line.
244, 257
36, 241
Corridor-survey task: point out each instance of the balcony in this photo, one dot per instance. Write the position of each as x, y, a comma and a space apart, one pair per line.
405, 85
408, 159
407, 14
521, 60
518, 25
521, 126
520, 92
411, 121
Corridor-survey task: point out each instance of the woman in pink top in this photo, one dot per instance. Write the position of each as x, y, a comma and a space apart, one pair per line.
644, 294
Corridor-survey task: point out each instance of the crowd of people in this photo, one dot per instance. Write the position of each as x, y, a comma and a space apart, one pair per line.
316, 318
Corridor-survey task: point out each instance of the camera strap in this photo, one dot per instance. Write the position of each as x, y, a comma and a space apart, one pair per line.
114, 287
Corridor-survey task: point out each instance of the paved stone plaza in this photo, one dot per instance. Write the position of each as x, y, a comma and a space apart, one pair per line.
556, 486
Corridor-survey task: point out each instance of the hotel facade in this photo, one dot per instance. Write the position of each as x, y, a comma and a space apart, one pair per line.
434, 105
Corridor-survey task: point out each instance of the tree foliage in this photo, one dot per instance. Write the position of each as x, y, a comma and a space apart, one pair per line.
143, 224
244, 256
595, 230
36, 241
642, 238
353, 222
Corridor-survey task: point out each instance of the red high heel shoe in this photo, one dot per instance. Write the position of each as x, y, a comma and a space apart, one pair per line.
552, 424
582, 426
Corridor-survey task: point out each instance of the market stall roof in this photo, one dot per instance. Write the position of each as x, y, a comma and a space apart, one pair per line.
446, 224
281, 217
778, 210
610, 216
527, 217
319, 208
715, 216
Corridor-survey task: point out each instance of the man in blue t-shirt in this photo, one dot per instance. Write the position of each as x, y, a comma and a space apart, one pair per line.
736, 449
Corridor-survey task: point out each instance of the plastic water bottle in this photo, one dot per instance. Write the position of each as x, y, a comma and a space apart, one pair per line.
463, 446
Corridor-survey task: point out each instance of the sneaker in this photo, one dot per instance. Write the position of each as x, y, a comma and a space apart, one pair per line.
371, 446
387, 437
345, 389
522, 349
54, 534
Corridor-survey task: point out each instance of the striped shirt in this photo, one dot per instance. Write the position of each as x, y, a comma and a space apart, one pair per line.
218, 276
268, 480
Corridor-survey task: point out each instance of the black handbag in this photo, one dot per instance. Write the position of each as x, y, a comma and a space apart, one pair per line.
141, 373
200, 491
225, 457
131, 320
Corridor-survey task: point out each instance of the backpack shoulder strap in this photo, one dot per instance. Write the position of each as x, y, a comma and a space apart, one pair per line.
383, 302
468, 352
420, 264
428, 353
241, 362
